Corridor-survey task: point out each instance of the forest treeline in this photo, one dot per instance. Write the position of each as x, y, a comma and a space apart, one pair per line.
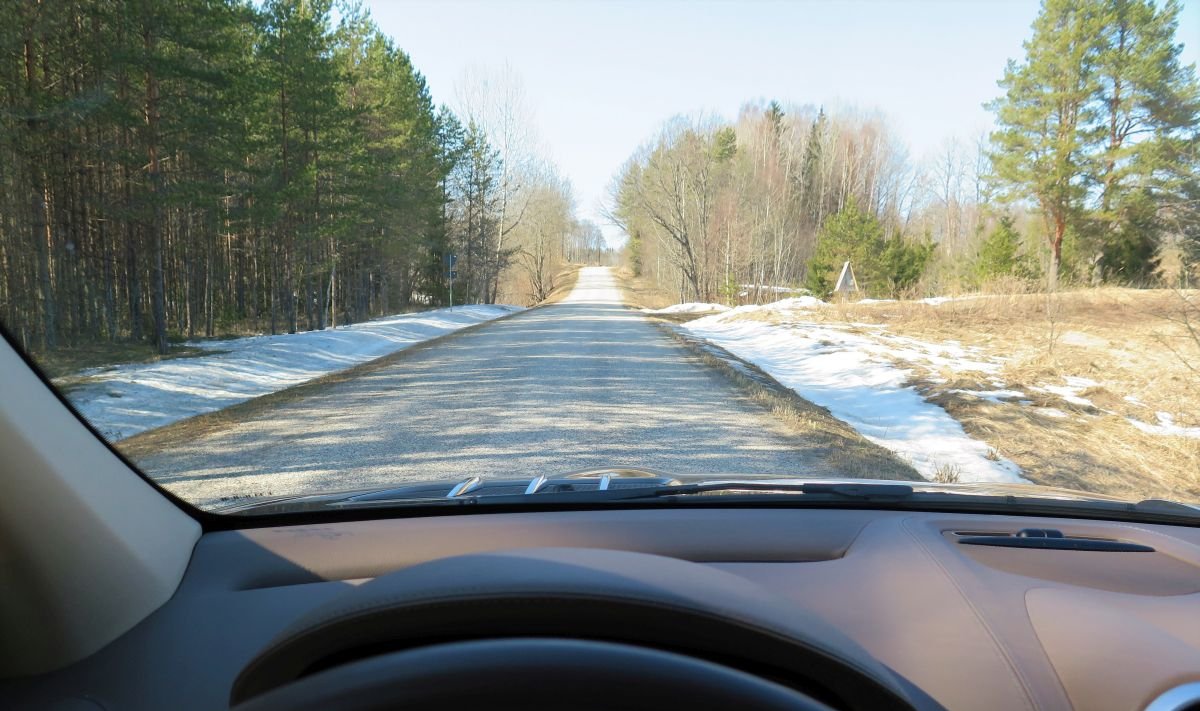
1092, 173
201, 167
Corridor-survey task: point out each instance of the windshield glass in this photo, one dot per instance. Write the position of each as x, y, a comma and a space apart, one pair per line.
291, 247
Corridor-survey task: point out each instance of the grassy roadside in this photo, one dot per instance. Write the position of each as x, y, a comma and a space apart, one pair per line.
1113, 355
1132, 347
640, 293
844, 449
564, 283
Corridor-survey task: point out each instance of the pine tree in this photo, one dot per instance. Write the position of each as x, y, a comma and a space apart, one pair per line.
999, 252
1099, 126
903, 263
850, 235
205, 166
1039, 148
882, 266
1145, 126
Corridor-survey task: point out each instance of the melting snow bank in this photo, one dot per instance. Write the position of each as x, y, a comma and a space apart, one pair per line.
851, 375
123, 400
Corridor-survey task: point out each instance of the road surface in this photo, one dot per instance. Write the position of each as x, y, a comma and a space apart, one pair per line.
580, 384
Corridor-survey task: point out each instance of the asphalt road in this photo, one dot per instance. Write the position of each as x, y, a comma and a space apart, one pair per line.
580, 384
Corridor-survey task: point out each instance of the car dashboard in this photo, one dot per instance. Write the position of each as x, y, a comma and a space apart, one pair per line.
972, 625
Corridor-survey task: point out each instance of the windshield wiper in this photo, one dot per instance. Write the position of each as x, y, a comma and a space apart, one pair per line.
824, 491
466, 495
848, 490
636, 487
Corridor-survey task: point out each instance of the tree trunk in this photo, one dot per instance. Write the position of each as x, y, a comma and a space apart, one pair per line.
42, 237
1060, 229
158, 281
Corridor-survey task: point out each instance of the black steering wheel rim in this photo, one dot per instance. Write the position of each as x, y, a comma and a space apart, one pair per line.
531, 674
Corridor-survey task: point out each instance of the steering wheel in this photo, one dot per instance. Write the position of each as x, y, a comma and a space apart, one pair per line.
530, 675
536, 629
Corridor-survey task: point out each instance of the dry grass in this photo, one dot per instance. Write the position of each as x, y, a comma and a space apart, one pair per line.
641, 293
564, 282
946, 474
1135, 343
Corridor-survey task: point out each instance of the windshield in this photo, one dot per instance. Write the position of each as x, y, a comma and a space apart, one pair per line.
295, 247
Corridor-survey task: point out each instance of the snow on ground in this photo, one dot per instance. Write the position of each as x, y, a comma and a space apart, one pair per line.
1166, 426
783, 306
759, 289
996, 396
1070, 391
123, 400
689, 308
939, 300
1052, 412
853, 372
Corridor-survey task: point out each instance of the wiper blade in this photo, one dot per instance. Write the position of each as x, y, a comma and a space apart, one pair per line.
824, 491
847, 490
618, 486
470, 493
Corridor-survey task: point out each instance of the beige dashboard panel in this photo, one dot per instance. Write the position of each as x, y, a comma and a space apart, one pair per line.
1115, 651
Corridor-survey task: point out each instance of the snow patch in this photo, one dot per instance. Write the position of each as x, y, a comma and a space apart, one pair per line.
1082, 340
996, 396
1052, 412
939, 300
855, 376
796, 303
122, 400
775, 289
1166, 426
689, 308
1070, 391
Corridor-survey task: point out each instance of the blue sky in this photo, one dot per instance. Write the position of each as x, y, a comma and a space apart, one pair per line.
602, 75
